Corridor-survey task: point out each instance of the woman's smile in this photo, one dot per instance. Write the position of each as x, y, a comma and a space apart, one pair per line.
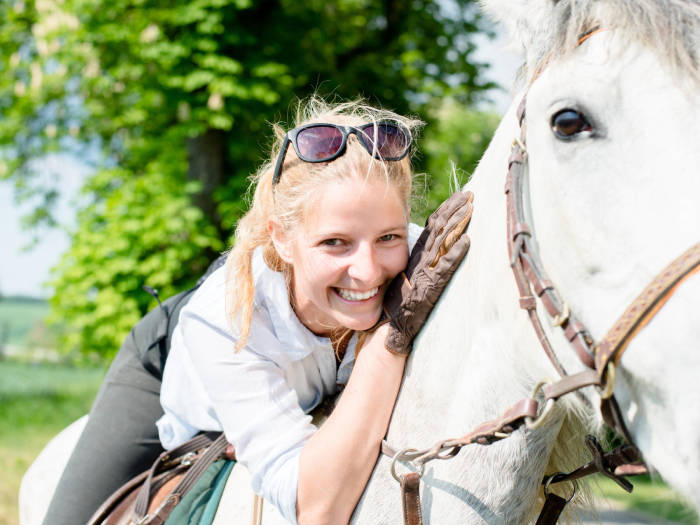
356, 296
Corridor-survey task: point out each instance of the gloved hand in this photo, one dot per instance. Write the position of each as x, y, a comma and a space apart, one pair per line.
435, 257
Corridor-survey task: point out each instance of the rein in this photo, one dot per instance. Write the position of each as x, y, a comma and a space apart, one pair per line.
599, 359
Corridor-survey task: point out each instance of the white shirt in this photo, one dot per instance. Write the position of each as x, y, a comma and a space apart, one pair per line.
260, 396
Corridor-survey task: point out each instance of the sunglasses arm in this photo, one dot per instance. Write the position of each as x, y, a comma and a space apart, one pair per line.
280, 160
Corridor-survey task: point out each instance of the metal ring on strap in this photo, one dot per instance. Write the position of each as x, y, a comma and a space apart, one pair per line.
399, 457
609, 387
549, 481
536, 422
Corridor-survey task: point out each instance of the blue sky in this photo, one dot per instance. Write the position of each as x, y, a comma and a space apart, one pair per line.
24, 272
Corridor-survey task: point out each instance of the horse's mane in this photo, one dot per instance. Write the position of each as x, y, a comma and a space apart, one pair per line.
670, 27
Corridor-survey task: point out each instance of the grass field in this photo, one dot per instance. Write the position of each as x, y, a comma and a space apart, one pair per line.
649, 496
36, 401
19, 316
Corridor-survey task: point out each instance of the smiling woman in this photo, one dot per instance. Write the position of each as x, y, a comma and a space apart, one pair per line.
266, 338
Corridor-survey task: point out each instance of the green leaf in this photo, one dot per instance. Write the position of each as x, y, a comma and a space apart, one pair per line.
219, 121
220, 63
198, 79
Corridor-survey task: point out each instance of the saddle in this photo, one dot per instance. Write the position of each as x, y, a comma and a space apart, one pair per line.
183, 482
187, 480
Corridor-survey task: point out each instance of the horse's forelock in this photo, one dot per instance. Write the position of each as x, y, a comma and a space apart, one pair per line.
670, 27
549, 29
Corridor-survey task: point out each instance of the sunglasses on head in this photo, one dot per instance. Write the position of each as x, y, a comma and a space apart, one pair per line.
325, 142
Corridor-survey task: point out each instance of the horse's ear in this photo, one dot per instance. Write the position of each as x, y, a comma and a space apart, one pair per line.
524, 20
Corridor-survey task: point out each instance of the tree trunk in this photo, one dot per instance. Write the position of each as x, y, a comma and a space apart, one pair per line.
207, 164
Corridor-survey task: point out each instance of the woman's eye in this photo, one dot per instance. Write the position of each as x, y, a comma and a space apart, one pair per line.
388, 237
568, 123
331, 242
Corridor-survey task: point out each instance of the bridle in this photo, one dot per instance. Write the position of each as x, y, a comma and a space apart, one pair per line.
600, 359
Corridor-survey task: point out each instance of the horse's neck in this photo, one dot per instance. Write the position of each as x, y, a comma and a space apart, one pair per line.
477, 326
464, 370
478, 340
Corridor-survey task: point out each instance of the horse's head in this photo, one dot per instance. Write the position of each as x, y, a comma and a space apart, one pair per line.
613, 123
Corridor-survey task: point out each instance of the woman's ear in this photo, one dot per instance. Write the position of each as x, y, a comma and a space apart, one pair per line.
281, 239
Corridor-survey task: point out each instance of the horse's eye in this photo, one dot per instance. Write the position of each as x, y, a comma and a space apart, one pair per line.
568, 123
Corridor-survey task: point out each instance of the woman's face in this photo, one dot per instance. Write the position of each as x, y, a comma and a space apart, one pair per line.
350, 245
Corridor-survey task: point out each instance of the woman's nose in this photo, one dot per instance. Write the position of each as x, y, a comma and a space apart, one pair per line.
365, 265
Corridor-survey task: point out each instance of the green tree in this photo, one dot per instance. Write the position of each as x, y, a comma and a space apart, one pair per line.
177, 97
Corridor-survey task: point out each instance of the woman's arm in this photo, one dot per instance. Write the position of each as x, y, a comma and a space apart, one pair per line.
338, 459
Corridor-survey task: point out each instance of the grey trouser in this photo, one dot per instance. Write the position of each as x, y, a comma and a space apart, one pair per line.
120, 439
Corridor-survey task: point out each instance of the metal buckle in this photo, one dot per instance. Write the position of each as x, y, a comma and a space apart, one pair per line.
188, 459
538, 421
563, 317
607, 390
549, 481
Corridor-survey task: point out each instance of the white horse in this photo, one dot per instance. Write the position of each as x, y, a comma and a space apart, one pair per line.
613, 125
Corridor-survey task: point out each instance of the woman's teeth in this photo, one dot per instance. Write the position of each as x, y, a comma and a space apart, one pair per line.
349, 295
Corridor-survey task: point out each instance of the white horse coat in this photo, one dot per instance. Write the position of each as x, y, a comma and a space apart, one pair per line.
611, 206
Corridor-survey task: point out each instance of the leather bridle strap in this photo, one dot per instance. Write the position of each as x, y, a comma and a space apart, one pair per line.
644, 308
410, 499
484, 434
532, 282
529, 275
620, 462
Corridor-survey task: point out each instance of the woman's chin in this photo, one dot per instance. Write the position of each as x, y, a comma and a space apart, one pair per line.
361, 324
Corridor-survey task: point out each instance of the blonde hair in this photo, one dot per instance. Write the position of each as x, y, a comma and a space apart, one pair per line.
296, 190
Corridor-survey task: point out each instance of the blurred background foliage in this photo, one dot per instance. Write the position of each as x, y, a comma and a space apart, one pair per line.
171, 103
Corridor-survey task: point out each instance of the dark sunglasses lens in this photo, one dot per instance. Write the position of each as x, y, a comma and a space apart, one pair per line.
392, 141
319, 142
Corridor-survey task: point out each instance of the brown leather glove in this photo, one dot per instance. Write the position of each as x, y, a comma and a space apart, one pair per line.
435, 257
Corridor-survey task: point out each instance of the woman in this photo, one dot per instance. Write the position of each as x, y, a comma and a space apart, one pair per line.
266, 338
